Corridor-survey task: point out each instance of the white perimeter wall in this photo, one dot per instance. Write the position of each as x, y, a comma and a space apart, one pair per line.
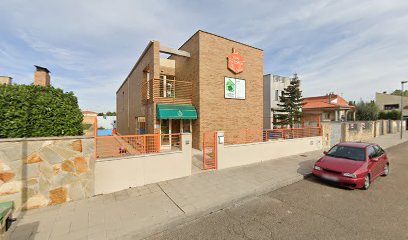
115, 174
243, 154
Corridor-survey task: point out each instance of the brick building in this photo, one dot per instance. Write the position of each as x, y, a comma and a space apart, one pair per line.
210, 83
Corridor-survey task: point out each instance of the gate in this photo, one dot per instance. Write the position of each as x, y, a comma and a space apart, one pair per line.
210, 150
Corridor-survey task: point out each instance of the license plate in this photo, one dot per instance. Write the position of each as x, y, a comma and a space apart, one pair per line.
330, 178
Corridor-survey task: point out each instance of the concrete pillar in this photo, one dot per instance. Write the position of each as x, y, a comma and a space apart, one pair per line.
220, 148
354, 115
336, 115
186, 148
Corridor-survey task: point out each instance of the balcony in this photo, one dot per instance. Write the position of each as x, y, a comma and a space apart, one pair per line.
167, 91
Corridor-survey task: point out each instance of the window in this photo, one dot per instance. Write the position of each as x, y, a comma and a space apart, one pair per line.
186, 126
350, 153
276, 95
372, 153
379, 151
167, 86
391, 106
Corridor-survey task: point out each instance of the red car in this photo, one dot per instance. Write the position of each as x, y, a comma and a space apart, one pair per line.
352, 165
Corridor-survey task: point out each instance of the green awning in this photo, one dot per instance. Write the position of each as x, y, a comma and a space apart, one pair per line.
5, 207
176, 112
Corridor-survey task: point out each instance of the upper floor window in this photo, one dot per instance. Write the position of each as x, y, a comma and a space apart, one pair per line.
167, 86
391, 106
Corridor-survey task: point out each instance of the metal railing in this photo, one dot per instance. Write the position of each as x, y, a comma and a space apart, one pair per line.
167, 91
115, 146
256, 136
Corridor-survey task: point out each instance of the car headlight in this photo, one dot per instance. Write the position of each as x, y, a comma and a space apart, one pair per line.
317, 168
350, 175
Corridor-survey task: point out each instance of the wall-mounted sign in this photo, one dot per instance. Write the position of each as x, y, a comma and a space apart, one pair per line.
235, 62
234, 88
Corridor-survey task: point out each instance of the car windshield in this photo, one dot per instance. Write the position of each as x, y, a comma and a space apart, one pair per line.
352, 153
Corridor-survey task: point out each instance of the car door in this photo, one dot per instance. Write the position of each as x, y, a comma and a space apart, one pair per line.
373, 165
382, 158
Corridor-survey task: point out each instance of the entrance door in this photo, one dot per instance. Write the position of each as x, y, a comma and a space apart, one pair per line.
165, 130
168, 127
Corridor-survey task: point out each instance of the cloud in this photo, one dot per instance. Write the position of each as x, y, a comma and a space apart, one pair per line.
350, 47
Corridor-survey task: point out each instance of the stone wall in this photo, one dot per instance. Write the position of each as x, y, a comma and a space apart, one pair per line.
358, 131
37, 172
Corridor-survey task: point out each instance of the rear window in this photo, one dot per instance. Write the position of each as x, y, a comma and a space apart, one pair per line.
350, 153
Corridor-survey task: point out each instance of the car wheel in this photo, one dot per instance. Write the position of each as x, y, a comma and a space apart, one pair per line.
386, 170
366, 182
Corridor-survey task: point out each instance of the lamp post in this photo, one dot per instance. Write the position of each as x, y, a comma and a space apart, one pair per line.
401, 106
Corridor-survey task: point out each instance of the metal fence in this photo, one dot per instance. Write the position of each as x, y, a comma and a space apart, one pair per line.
115, 146
256, 136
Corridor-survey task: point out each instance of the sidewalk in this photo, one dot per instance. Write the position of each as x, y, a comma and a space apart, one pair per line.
139, 212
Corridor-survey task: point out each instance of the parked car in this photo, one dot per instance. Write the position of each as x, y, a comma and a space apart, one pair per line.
352, 164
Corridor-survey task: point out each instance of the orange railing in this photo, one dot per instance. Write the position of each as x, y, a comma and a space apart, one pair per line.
167, 91
255, 136
114, 146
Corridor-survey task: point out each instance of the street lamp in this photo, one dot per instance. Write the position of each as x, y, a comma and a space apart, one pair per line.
401, 107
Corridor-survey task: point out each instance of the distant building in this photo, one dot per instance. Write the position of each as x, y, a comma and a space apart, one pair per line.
89, 114
331, 107
5, 80
42, 76
106, 122
274, 87
89, 117
388, 102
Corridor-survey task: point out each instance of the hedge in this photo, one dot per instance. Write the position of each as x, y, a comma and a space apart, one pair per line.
37, 111
390, 115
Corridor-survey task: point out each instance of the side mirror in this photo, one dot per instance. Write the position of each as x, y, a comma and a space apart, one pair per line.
325, 152
374, 159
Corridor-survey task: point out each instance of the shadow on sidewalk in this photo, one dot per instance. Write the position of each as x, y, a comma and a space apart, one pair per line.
305, 167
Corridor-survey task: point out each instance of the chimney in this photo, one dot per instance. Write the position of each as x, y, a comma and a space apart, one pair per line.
5, 80
41, 76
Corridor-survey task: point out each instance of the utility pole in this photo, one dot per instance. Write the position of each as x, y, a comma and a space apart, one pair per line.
401, 106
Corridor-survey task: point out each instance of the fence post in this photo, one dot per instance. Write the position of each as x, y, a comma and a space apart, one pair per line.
144, 144
158, 139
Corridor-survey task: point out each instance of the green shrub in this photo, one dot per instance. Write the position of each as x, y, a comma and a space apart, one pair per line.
37, 111
390, 115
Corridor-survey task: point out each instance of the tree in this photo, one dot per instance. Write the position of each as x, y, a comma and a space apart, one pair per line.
290, 111
107, 114
366, 111
38, 111
398, 92
390, 115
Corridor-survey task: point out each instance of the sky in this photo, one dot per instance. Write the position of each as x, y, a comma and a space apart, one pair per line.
352, 48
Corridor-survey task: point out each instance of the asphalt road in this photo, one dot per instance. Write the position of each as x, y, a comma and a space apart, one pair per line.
310, 209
